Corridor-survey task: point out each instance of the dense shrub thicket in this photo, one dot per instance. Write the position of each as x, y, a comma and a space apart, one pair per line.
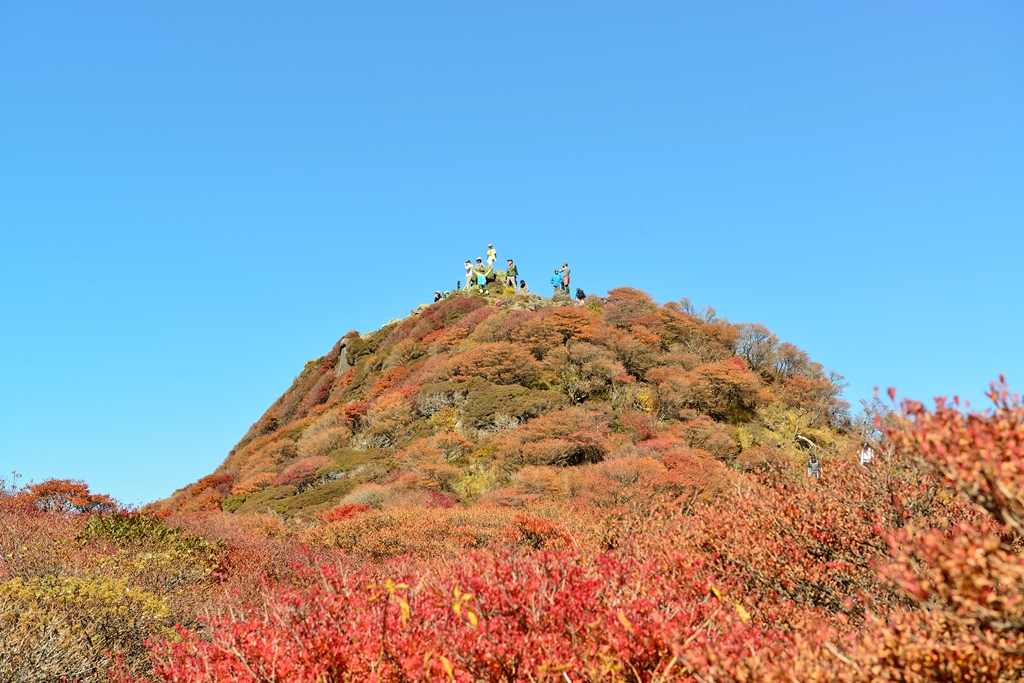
615, 492
461, 396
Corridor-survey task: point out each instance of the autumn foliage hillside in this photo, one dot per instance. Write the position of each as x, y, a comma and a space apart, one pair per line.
503, 403
614, 492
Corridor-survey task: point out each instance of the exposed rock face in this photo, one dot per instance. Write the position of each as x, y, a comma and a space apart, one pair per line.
343, 363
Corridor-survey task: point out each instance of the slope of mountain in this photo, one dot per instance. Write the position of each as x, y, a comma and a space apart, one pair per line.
512, 489
490, 399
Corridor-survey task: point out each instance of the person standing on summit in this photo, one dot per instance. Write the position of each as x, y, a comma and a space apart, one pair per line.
556, 282
511, 274
492, 256
469, 273
565, 277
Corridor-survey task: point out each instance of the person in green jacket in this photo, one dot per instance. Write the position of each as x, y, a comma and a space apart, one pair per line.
511, 274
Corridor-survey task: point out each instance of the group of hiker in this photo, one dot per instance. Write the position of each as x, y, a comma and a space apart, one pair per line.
867, 456
478, 274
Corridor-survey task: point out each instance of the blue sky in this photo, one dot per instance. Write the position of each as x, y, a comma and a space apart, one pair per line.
197, 198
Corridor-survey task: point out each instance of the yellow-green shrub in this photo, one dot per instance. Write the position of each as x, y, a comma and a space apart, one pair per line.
63, 626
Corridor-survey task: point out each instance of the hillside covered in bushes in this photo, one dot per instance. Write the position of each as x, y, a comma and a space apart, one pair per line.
477, 400
507, 490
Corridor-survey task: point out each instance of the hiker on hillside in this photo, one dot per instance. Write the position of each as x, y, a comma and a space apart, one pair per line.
581, 298
523, 287
492, 256
437, 296
511, 274
556, 281
565, 277
814, 467
469, 273
866, 455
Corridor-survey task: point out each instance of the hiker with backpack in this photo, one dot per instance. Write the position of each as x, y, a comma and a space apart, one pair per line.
523, 287
814, 467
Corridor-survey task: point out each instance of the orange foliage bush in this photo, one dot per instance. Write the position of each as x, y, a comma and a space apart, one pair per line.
718, 389
570, 436
68, 495
254, 483
499, 362
420, 531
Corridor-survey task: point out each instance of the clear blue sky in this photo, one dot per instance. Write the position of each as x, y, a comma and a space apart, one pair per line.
198, 197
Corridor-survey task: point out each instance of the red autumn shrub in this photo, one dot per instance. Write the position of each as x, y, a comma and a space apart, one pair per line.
471, 320
640, 426
301, 472
433, 319
512, 320
488, 617
437, 499
447, 313
344, 511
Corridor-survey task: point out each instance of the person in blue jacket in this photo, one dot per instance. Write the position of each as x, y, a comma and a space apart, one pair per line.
556, 281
